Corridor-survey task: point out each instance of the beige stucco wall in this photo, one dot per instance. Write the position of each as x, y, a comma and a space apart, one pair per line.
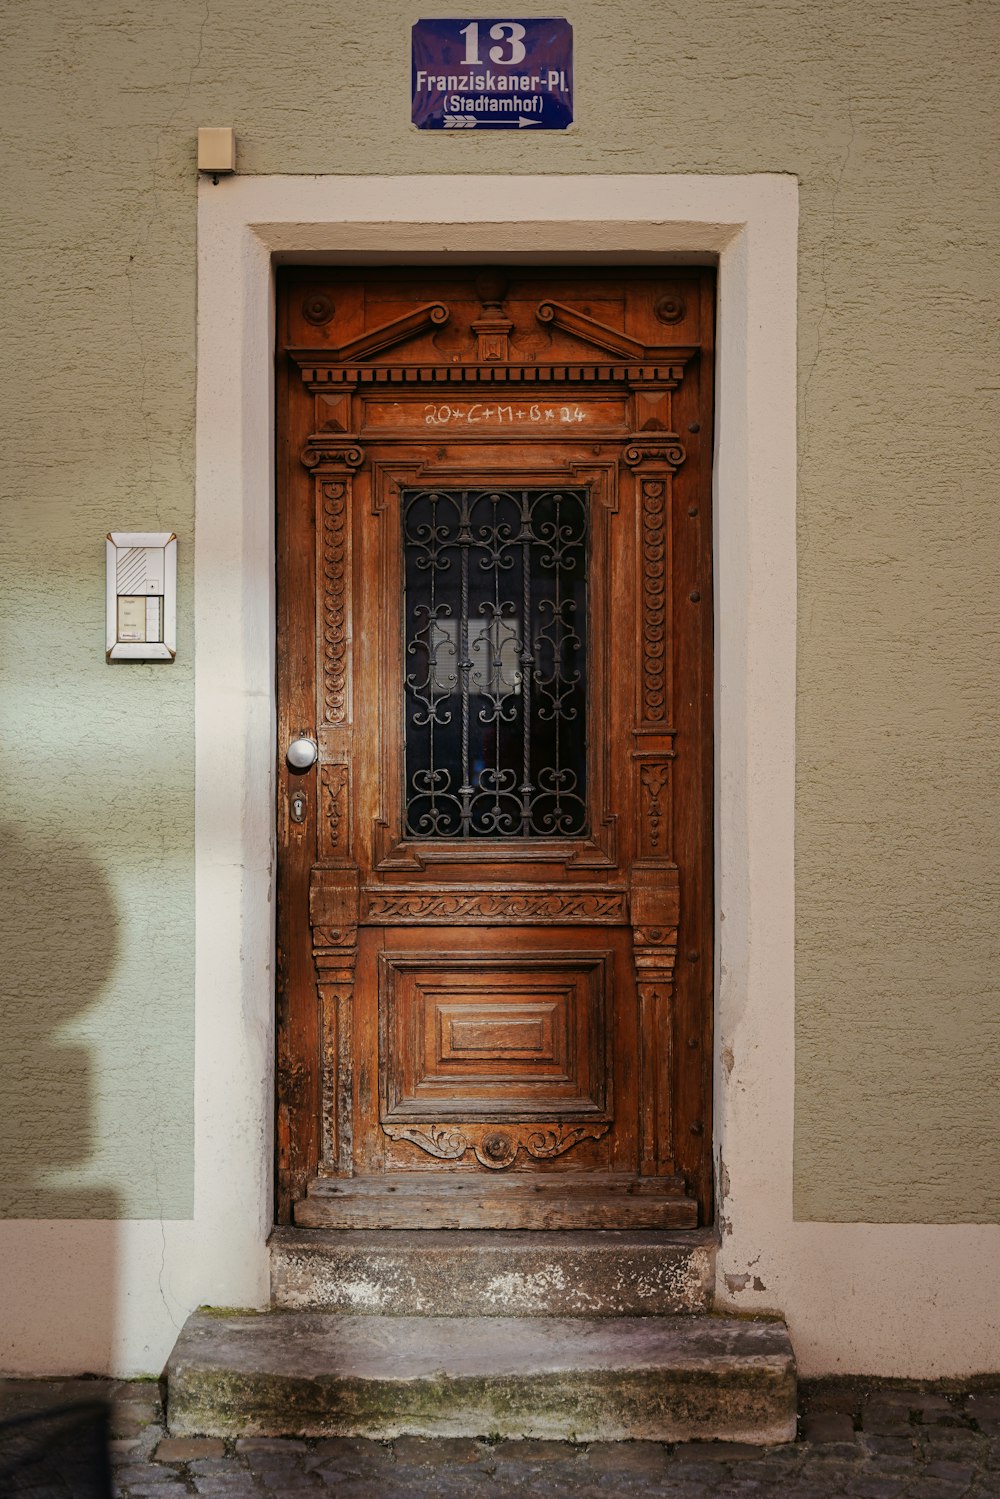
888, 120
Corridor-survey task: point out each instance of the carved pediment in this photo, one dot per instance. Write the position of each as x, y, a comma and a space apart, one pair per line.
609, 340
489, 356
386, 336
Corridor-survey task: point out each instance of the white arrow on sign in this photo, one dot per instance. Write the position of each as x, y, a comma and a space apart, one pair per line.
467, 122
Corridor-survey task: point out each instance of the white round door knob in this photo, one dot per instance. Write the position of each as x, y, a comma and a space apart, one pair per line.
302, 753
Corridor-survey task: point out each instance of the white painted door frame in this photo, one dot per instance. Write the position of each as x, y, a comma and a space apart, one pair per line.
750, 225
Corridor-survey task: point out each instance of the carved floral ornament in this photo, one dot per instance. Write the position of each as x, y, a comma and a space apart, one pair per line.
334, 802
655, 777
495, 1146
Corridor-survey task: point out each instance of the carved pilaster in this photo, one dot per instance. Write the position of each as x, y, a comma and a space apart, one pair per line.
655, 916
653, 460
655, 1073
333, 913
336, 1004
654, 455
333, 894
655, 639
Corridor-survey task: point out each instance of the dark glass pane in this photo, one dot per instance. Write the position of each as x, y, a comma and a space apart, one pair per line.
495, 629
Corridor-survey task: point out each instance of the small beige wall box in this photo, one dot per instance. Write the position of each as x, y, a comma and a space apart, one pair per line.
216, 149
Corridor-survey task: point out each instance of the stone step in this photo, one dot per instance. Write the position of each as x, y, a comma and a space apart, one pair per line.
286, 1373
425, 1272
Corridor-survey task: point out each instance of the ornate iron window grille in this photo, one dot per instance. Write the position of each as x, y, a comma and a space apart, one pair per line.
495, 628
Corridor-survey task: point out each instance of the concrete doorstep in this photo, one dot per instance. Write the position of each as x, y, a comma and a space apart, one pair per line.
313, 1374
394, 1273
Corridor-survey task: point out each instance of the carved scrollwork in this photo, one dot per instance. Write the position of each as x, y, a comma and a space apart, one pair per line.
598, 335
546, 1143
495, 1146
667, 450
445, 906
333, 452
400, 330
335, 602
445, 1142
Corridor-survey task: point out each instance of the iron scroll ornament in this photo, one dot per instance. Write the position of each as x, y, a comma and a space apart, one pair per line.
495, 631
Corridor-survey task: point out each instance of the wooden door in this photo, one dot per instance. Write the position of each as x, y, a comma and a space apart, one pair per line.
495, 622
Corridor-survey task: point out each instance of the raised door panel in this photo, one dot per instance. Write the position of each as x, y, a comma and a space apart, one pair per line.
468, 1033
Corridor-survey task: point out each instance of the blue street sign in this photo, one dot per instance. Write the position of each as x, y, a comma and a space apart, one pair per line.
493, 75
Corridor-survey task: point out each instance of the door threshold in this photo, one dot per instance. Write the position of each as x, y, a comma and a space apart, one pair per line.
526, 1200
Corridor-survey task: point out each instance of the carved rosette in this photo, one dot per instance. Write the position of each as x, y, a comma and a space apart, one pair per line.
495, 1146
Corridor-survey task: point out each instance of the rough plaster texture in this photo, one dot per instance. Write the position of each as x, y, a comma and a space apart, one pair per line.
888, 118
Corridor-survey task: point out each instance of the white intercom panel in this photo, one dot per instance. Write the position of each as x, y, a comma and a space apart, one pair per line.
142, 596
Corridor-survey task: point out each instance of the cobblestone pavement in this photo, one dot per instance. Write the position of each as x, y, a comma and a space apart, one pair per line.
857, 1438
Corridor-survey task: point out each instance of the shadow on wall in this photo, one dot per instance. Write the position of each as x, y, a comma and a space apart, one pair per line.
59, 941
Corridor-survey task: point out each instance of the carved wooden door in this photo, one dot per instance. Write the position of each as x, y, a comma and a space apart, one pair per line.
495, 894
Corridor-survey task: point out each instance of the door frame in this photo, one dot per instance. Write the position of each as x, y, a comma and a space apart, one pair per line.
749, 226
655, 1130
